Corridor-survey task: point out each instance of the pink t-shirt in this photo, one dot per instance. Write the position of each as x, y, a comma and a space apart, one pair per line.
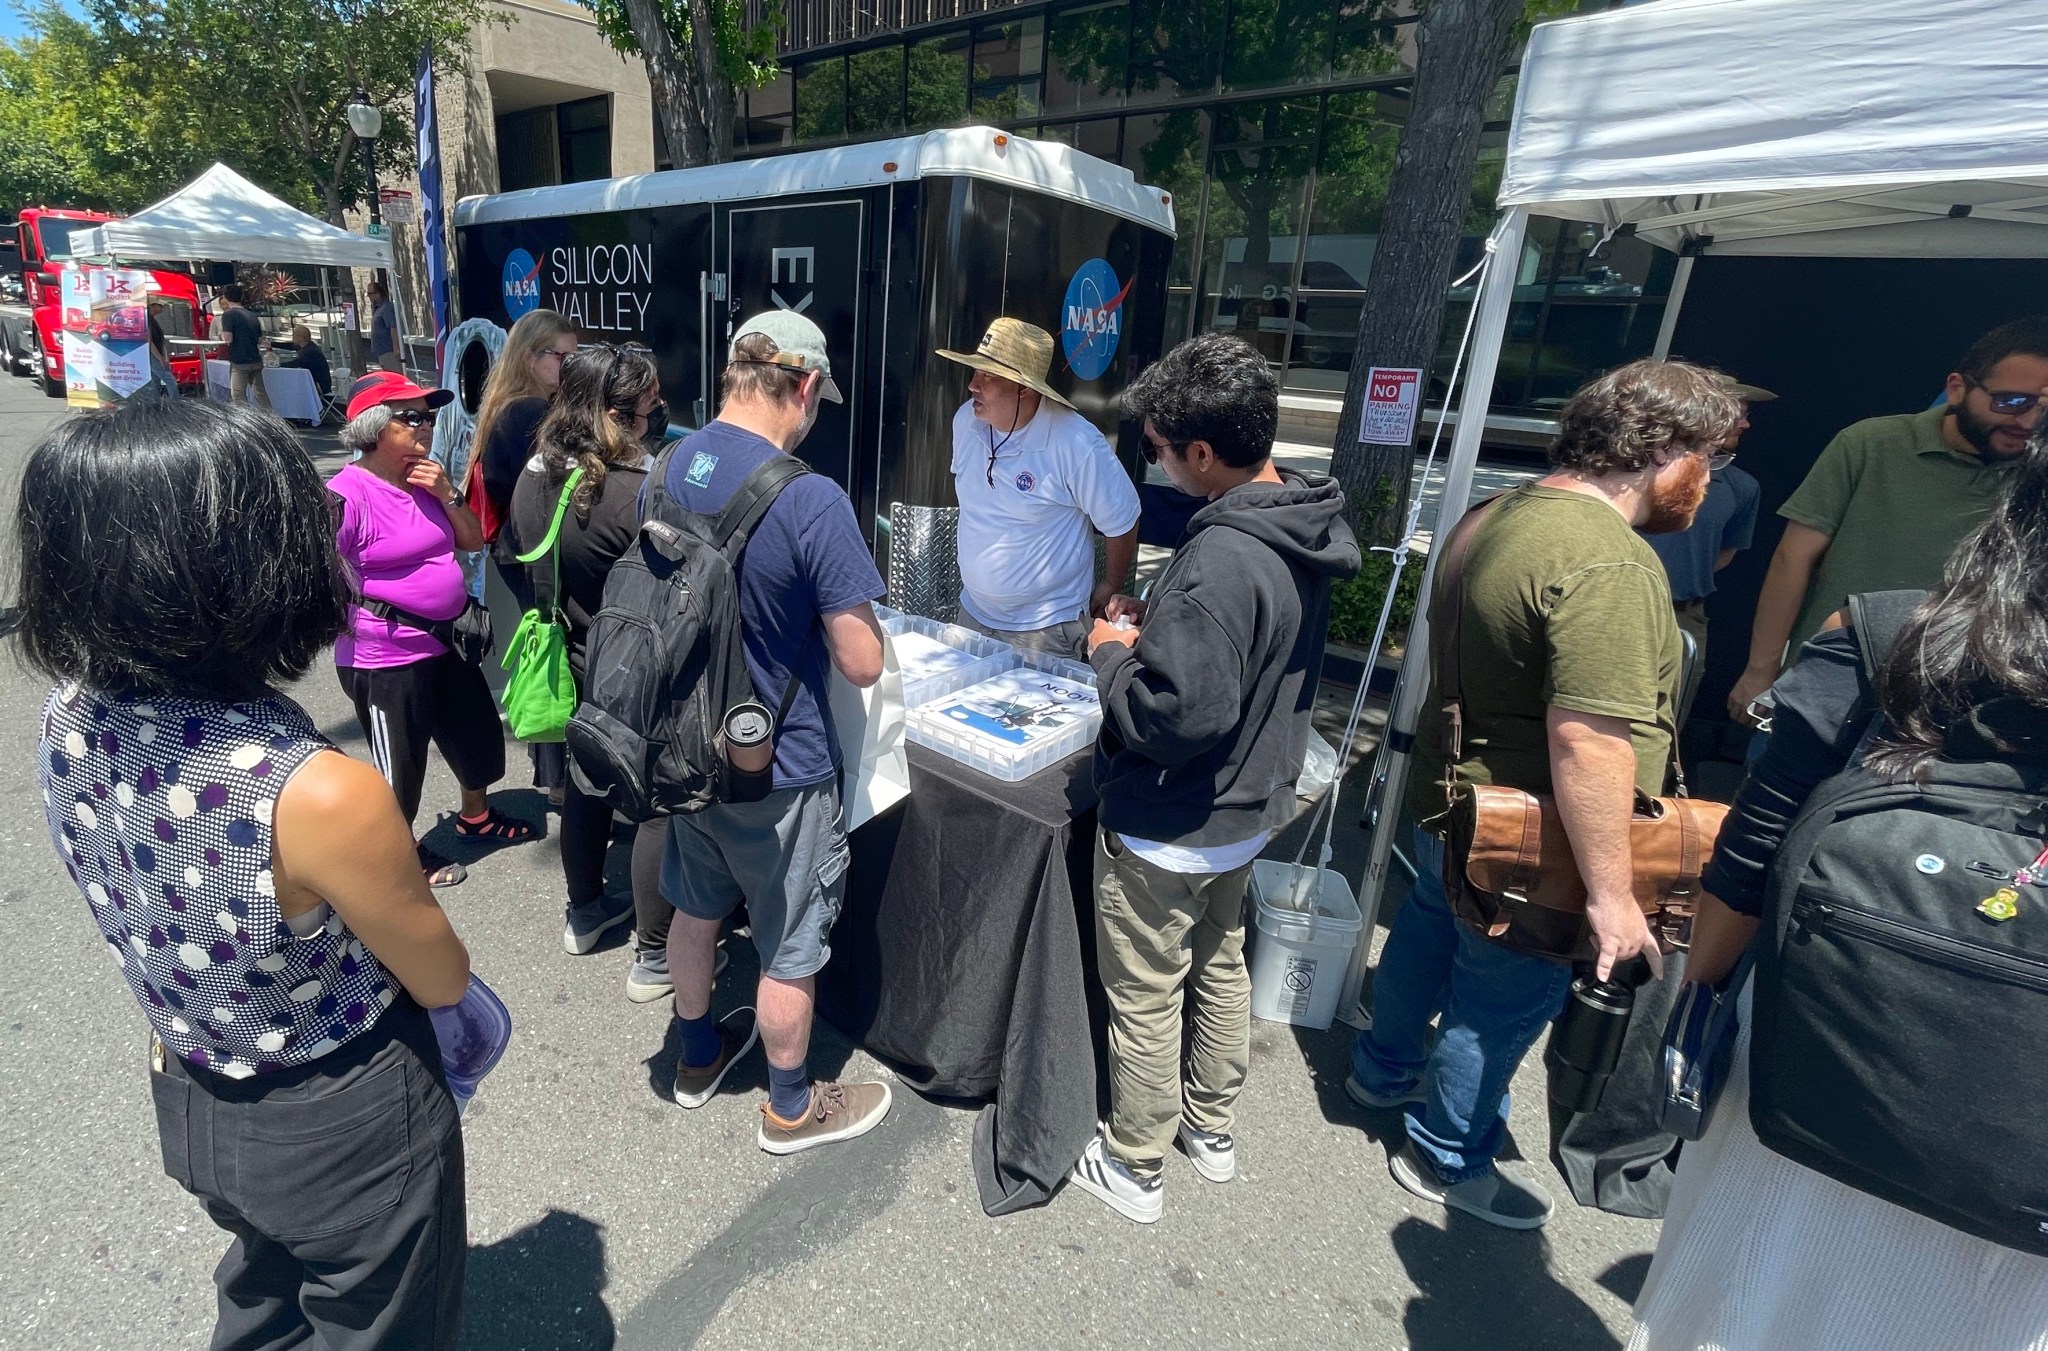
402, 549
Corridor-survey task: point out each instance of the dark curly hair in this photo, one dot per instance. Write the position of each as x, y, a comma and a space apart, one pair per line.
1216, 388
1620, 422
1982, 635
2022, 337
177, 547
590, 421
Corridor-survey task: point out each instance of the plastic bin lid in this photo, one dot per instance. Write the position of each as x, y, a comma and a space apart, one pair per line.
473, 1032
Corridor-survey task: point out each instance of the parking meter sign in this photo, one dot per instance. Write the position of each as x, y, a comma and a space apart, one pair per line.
1393, 396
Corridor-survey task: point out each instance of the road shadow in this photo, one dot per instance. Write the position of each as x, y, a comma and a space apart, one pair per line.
1524, 1306
540, 1288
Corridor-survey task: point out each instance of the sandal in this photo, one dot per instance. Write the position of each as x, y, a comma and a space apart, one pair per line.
496, 826
441, 872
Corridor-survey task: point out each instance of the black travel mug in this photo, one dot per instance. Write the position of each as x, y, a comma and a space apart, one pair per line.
749, 732
1585, 1046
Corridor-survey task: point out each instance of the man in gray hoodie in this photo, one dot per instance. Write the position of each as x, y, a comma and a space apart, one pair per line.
1206, 690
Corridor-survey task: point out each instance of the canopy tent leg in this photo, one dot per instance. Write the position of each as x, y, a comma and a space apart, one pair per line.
1673, 303
1390, 774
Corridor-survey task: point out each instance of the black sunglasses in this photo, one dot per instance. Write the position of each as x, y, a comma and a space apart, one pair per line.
1151, 452
415, 418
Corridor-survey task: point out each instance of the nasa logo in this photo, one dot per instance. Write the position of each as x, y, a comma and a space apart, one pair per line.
1026, 482
1093, 326
521, 284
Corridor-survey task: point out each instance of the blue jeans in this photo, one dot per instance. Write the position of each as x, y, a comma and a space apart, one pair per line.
1494, 1004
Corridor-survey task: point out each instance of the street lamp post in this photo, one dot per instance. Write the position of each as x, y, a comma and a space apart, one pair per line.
366, 120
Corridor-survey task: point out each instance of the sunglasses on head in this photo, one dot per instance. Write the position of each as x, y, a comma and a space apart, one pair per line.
415, 417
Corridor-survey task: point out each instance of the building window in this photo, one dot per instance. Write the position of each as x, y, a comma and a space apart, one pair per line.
1098, 136
1370, 40
769, 120
936, 83
1175, 47
874, 91
1089, 58
1276, 43
821, 99
526, 150
1259, 164
1167, 151
1008, 60
583, 130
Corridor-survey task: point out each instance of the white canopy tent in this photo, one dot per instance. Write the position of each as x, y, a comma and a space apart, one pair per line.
222, 215
1886, 128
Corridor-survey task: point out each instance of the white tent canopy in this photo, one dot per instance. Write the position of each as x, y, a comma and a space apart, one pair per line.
223, 216
1879, 128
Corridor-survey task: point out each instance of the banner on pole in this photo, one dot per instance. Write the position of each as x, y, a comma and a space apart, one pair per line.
1393, 398
433, 226
106, 333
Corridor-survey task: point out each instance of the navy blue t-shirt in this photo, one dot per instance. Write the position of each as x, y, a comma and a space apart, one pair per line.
806, 560
1726, 520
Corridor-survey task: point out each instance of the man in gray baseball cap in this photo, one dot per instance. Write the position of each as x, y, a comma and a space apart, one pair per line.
806, 585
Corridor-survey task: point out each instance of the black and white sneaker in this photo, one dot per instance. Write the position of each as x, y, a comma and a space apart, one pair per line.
1214, 1153
1133, 1197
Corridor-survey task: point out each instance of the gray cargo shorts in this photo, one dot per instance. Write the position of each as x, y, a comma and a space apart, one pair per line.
785, 856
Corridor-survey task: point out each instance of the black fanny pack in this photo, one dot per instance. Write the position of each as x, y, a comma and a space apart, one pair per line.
468, 635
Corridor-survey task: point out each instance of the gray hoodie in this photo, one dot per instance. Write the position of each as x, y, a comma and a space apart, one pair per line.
1205, 721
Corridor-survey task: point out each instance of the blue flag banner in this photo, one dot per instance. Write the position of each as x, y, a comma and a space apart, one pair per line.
432, 226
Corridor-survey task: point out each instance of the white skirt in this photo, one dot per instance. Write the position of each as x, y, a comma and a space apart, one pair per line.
1763, 1254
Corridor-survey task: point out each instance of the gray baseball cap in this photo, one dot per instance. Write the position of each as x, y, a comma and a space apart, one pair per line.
799, 344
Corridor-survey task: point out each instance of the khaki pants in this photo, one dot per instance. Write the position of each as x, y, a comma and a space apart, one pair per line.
245, 376
1159, 934
1068, 639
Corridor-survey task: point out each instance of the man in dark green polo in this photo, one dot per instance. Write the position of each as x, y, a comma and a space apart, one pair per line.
1892, 496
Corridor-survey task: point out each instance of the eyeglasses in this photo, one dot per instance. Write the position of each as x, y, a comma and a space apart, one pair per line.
554, 352
2007, 402
414, 418
1151, 449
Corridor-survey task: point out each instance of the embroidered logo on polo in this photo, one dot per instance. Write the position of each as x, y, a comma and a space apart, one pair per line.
1026, 481
702, 465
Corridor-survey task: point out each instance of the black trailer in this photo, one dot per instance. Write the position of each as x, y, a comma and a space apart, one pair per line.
894, 247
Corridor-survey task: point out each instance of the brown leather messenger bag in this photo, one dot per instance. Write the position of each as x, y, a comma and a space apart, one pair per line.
1509, 871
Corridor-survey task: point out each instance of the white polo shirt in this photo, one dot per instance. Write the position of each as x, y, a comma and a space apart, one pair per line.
1027, 559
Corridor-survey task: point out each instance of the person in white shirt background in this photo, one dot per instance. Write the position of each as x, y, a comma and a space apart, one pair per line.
1036, 482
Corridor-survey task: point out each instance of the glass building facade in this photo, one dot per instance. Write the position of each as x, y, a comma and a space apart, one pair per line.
1272, 122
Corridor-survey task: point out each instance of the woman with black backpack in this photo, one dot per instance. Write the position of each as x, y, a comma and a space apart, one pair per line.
1873, 1174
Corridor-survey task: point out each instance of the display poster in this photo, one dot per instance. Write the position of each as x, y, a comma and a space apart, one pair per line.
119, 332
1393, 397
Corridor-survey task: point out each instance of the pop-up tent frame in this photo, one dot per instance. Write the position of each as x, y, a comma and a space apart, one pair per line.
1890, 128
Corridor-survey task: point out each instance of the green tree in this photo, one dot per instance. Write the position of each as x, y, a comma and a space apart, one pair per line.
136, 97
698, 54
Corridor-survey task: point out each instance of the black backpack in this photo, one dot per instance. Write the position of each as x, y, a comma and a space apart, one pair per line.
665, 660
1899, 1032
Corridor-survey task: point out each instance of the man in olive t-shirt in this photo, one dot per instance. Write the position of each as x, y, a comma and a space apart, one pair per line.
1891, 497
1570, 663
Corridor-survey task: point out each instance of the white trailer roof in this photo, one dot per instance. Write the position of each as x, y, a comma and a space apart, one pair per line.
1886, 128
964, 152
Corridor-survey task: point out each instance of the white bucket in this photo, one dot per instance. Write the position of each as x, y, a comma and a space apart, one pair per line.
1301, 952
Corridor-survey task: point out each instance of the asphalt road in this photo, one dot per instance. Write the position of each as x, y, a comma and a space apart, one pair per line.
602, 1216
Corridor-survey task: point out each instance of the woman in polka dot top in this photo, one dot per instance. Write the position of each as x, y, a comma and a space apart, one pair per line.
257, 890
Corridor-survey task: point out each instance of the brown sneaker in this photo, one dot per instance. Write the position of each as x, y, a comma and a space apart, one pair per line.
838, 1112
737, 1033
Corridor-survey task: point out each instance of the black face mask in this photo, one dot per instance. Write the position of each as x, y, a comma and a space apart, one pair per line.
657, 426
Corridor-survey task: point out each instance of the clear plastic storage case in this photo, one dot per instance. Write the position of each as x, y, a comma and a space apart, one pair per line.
938, 659
1013, 725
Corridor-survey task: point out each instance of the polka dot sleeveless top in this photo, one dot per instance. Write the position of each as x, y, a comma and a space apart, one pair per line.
161, 811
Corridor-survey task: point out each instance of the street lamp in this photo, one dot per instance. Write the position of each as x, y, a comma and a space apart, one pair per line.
365, 120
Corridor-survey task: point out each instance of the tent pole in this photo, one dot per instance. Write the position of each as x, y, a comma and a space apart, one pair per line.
1390, 773
1672, 304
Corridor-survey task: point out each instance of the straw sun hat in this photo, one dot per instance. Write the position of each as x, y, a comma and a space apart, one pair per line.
1015, 351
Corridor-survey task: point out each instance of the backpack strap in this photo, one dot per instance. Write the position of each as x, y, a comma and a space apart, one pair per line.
1879, 616
757, 492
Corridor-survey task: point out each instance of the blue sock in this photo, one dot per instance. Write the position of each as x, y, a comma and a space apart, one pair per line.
700, 1040
789, 1091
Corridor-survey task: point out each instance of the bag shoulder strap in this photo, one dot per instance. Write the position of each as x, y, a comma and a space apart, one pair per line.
1447, 618
1879, 616
735, 522
385, 610
555, 526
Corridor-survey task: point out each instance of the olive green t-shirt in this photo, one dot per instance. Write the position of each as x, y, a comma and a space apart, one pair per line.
1564, 604
1895, 501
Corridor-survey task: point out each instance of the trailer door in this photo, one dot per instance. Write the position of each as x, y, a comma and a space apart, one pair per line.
808, 257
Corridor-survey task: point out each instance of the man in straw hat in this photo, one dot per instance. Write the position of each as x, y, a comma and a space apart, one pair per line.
1033, 476
1722, 528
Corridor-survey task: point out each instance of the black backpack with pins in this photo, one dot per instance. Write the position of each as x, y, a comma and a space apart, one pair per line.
1901, 996
666, 661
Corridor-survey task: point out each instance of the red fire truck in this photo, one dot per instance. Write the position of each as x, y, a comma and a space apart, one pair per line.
43, 240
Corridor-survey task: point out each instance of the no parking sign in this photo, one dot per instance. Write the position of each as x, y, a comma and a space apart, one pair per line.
1393, 396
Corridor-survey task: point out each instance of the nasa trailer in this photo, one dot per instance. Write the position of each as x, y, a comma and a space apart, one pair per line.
895, 248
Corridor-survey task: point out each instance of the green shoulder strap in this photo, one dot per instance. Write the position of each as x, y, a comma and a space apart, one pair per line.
555, 526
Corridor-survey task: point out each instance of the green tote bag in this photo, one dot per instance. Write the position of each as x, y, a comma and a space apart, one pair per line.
541, 695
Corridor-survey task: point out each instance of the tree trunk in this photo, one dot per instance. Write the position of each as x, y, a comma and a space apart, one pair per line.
1463, 46
692, 98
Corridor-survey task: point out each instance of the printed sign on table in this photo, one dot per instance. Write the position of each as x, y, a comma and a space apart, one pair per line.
1393, 397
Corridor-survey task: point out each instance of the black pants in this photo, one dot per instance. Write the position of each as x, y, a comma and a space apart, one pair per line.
442, 700
587, 835
342, 1183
